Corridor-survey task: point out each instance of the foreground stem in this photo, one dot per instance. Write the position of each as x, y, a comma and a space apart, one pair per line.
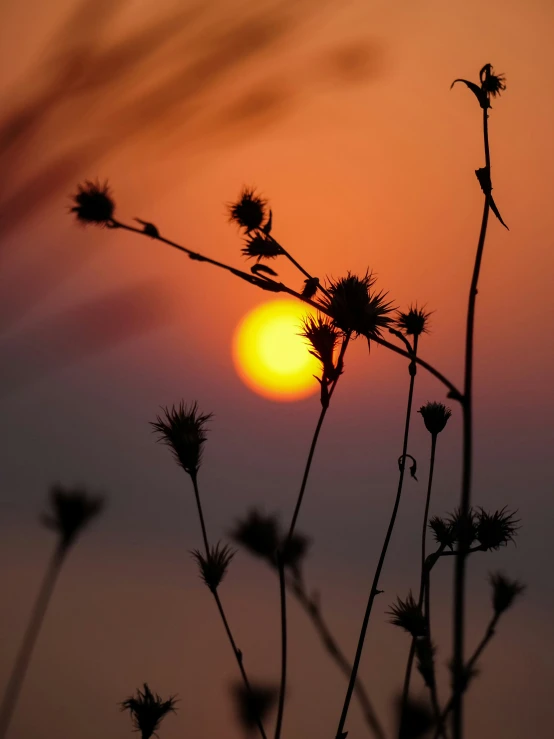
374, 587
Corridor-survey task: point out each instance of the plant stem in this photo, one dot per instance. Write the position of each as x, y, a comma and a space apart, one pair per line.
313, 610
29, 640
465, 502
315, 438
423, 579
200, 514
282, 689
373, 592
238, 655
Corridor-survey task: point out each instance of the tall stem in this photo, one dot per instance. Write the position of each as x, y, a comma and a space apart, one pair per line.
465, 502
24, 655
373, 592
283, 686
200, 514
422, 584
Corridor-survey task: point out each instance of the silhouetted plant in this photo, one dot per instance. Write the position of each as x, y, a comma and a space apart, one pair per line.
253, 704
214, 565
148, 711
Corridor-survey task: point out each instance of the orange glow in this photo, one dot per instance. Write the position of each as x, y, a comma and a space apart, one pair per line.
269, 354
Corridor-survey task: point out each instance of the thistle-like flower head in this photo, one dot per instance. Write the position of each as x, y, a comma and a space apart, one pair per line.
442, 531
495, 530
261, 246
147, 711
322, 337
182, 428
491, 83
213, 567
504, 591
461, 531
435, 417
259, 533
413, 323
354, 308
253, 705
407, 614
71, 510
93, 203
249, 211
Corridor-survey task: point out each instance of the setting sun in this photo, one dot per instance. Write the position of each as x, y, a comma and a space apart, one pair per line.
270, 355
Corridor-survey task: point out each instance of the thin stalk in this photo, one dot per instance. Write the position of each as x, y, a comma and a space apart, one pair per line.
282, 689
489, 633
423, 578
298, 266
238, 656
373, 592
433, 685
315, 439
313, 610
465, 502
236, 651
24, 655
272, 286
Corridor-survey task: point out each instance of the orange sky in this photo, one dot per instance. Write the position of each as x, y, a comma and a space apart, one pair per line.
347, 125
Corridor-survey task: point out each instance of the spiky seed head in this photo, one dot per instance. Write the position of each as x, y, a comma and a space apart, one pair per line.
322, 337
260, 246
354, 308
463, 530
182, 428
253, 705
147, 710
93, 203
407, 614
213, 567
492, 84
504, 591
71, 510
249, 211
435, 417
495, 530
413, 323
442, 531
259, 533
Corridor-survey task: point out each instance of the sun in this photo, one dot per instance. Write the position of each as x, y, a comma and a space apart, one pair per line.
269, 354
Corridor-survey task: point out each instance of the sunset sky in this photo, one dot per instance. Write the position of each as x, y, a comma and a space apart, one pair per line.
341, 115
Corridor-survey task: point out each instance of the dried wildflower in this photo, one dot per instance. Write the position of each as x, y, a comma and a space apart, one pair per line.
71, 511
93, 203
213, 567
249, 211
491, 83
259, 534
322, 336
416, 719
259, 246
442, 531
413, 323
182, 429
504, 592
354, 308
425, 654
310, 287
253, 705
407, 614
457, 526
147, 711
435, 417
497, 529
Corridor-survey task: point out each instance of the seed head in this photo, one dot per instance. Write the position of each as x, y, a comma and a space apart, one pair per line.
435, 417
504, 591
258, 533
461, 531
491, 83
407, 614
442, 531
183, 429
322, 336
413, 323
70, 512
249, 211
93, 203
354, 308
259, 246
495, 530
213, 567
147, 711
253, 705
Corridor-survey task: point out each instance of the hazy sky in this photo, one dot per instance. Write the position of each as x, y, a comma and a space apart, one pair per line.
344, 120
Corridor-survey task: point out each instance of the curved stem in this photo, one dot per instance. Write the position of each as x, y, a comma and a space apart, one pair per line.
24, 655
374, 587
465, 502
282, 689
313, 610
